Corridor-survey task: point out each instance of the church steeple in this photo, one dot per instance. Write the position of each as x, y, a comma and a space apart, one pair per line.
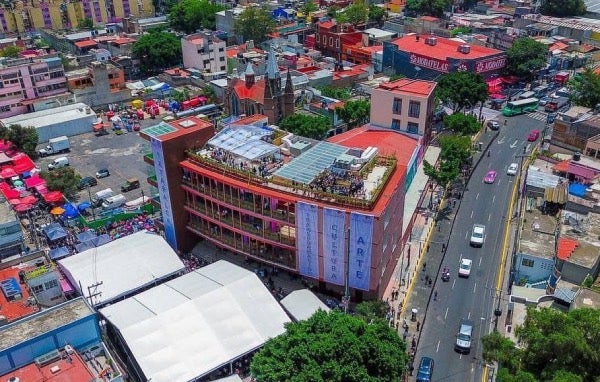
249, 75
272, 68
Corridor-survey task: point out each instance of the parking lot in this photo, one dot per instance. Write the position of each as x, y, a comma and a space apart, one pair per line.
121, 154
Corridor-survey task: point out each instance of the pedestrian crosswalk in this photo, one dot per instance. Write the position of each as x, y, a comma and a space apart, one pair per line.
539, 115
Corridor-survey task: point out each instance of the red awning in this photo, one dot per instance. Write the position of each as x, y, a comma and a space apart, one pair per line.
11, 193
53, 197
23, 207
35, 180
8, 172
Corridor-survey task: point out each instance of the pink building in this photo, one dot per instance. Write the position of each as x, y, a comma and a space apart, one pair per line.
26, 82
404, 105
205, 52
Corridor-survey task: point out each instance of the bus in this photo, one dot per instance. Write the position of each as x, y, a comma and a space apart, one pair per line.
526, 95
521, 106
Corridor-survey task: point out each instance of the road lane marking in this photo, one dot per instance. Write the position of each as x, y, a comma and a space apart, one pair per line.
474, 287
460, 356
469, 316
466, 235
437, 348
453, 283
494, 199
490, 217
501, 140
481, 258
499, 181
446, 315
514, 144
472, 214
477, 196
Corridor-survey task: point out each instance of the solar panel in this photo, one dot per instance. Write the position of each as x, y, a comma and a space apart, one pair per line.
308, 165
158, 130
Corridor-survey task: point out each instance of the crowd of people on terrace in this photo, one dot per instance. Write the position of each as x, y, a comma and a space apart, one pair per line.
261, 167
341, 183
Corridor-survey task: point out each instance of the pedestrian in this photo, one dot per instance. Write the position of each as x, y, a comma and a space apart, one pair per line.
418, 326
414, 342
397, 324
404, 335
435, 296
424, 266
443, 247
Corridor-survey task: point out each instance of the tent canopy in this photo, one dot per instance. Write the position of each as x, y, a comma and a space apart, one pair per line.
85, 236
182, 329
302, 304
59, 253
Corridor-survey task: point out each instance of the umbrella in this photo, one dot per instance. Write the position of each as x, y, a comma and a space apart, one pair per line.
18, 183
57, 211
10, 193
14, 202
8, 172
53, 196
84, 206
23, 207
29, 199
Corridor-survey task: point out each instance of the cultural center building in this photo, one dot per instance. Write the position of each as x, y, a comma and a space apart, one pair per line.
430, 56
331, 212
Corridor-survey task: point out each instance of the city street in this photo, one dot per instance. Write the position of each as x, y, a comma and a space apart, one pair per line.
475, 297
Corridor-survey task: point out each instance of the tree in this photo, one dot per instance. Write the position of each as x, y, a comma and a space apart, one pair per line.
341, 94
157, 50
190, 15
585, 88
462, 124
455, 148
371, 311
460, 30
309, 7
310, 126
355, 13
86, 23
525, 57
376, 14
444, 174
180, 95
462, 89
25, 138
354, 112
332, 347
63, 179
11, 51
563, 8
434, 8
254, 23
543, 335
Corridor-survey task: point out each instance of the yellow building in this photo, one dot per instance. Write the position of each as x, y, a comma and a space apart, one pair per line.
21, 16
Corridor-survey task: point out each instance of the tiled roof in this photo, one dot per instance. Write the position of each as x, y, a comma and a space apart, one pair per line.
445, 48
85, 44
404, 85
255, 92
566, 247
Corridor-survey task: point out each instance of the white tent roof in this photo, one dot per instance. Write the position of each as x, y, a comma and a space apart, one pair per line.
302, 304
194, 324
122, 266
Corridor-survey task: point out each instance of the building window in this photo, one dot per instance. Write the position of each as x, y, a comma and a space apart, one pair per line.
330, 41
318, 38
414, 109
4, 109
37, 289
51, 284
395, 124
221, 59
337, 43
223, 68
221, 49
527, 262
412, 128
397, 108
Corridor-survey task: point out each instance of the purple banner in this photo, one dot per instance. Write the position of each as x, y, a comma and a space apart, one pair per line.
307, 239
361, 237
334, 248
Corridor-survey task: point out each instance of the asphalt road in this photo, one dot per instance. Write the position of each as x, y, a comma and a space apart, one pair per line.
475, 297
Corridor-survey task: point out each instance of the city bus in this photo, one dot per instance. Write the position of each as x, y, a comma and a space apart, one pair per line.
521, 106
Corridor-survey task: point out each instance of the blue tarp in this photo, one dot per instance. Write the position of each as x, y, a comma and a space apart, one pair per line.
55, 232
577, 189
70, 211
84, 246
59, 253
101, 240
85, 236
84, 206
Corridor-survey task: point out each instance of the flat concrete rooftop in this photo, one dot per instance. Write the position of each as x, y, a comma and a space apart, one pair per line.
537, 235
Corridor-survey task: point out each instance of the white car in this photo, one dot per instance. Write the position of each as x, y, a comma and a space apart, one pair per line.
477, 235
464, 269
512, 169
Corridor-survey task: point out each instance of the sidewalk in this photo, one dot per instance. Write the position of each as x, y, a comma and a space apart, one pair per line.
409, 294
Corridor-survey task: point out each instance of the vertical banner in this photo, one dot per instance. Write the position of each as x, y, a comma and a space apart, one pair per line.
334, 246
308, 235
163, 192
361, 236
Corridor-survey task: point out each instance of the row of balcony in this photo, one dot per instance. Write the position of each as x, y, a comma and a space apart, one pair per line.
235, 220
257, 250
237, 202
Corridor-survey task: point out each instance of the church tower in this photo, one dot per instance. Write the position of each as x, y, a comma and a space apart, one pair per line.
273, 104
288, 96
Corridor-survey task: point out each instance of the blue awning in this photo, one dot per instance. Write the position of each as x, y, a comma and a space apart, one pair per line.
59, 253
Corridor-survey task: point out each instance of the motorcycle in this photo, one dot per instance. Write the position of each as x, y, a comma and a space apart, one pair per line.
446, 274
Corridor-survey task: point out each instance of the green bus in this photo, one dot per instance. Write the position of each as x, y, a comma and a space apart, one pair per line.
521, 106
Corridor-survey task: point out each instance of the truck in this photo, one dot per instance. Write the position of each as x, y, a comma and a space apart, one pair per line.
130, 184
55, 146
556, 104
58, 163
100, 196
114, 202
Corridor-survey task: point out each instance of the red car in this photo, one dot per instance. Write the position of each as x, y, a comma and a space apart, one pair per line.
533, 136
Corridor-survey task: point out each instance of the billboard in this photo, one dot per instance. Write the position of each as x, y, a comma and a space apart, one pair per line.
429, 63
489, 65
163, 192
334, 246
359, 258
307, 236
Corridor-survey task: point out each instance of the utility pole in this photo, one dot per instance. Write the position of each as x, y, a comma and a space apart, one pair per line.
90, 294
498, 310
91, 206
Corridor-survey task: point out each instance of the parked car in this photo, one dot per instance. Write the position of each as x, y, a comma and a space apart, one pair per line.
102, 173
87, 181
543, 101
533, 136
464, 268
493, 125
490, 177
425, 369
130, 184
512, 169
58, 163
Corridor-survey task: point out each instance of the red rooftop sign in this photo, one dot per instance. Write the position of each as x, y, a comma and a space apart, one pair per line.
489, 65
429, 63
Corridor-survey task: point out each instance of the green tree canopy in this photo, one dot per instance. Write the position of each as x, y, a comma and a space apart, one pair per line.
553, 346
460, 30
563, 8
462, 124
86, 23
355, 13
455, 148
332, 347
157, 50
254, 23
310, 126
25, 138
371, 311
525, 57
309, 7
377, 14
11, 51
63, 179
585, 88
462, 89
434, 8
444, 174
341, 94
190, 15
355, 112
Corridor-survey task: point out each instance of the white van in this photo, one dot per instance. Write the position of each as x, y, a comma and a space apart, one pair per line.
58, 163
464, 337
526, 95
100, 196
114, 202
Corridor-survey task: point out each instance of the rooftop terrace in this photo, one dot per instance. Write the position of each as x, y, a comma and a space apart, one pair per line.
537, 235
14, 296
315, 169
